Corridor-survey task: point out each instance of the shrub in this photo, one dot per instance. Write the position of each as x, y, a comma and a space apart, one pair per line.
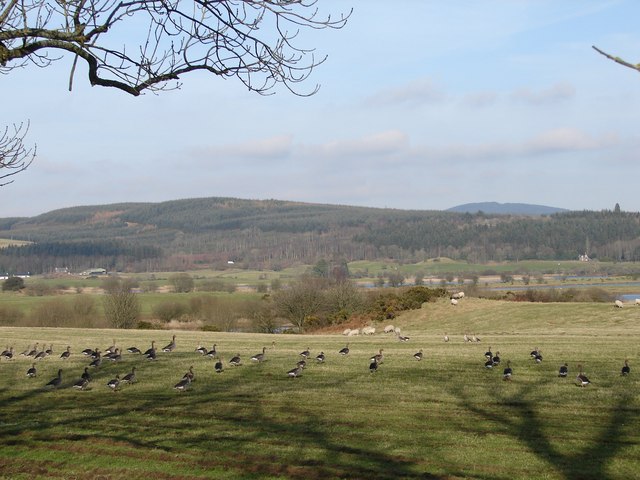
167, 311
13, 284
10, 315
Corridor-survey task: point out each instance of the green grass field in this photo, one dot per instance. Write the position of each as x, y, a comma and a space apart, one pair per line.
446, 417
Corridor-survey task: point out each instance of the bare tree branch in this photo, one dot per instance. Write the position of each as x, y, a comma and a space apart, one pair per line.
617, 59
15, 157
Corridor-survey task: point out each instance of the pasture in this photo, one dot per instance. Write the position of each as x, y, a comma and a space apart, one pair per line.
445, 417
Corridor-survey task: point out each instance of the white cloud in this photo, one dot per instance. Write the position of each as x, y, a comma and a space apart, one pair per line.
556, 93
267, 148
418, 92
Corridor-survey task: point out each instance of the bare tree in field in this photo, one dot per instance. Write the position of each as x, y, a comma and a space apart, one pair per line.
148, 45
15, 157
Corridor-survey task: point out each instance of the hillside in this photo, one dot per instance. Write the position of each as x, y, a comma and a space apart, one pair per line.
506, 208
257, 234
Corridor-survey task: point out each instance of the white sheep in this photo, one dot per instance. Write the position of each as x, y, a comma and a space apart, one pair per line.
456, 296
618, 304
368, 331
397, 330
346, 331
637, 301
389, 329
353, 332
454, 302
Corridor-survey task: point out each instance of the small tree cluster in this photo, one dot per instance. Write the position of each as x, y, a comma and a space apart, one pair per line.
13, 284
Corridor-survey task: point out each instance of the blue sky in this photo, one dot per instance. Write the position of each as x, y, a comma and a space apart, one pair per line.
426, 105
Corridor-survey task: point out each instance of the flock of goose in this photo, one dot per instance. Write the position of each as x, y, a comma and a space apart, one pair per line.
114, 354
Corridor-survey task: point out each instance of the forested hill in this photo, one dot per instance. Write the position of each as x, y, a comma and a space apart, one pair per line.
271, 233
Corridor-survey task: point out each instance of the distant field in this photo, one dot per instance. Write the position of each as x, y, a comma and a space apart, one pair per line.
5, 242
446, 417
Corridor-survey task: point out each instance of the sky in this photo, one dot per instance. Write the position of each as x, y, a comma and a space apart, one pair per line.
423, 106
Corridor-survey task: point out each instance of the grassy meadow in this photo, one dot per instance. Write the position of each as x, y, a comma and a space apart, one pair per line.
445, 417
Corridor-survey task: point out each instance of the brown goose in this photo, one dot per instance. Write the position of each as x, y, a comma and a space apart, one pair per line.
259, 357
171, 345
56, 381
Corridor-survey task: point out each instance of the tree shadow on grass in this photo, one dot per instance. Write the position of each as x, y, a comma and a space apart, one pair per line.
518, 412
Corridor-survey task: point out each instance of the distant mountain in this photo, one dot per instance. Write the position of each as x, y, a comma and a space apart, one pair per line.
495, 208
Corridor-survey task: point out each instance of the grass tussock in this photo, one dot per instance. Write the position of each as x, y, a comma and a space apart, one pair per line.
444, 417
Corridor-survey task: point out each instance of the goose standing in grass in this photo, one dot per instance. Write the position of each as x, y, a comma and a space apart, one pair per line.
8, 354
82, 384
96, 353
151, 351
626, 369
201, 350
114, 383
507, 372
538, 357
496, 359
344, 350
259, 357
34, 351
56, 381
534, 352
218, 367
134, 350
97, 361
114, 356
88, 352
302, 364
41, 355
378, 357
130, 377
49, 351
66, 354
111, 348
190, 375
170, 347
305, 353
488, 354
564, 370
373, 366
212, 353
418, 355
183, 385
86, 375
235, 360
320, 358
403, 338
488, 363
32, 372
582, 379
295, 372
26, 351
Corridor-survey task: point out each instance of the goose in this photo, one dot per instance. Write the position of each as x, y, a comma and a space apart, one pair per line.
466, 338
32, 371
114, 356
295, 372
218, 367
305, 353
534, 352
96, 361
496, 359
26, 352
56, 381
626, 369
378, 357
345, 350
5, 351
171, 346
8, 354
86, 375
302, 364
201, 350
320, 357
183, 385
34, 351
235, 360
114, 383
190, 375
488, 363
488, 353
96, 353
538, 358
111, 348
81, 384
212, 353
134, 350
475, 339
582, 379
41, 354
373, 366
508, 371
49, 351
402, 338
418, 355
130, 377
88, 352
446, 337
151, 349
259, 357
564, 370
66, 354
